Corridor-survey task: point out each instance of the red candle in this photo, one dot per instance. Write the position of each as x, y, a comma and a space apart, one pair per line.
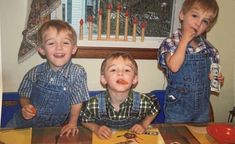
100, 12
81, 30
126, 25
90, 21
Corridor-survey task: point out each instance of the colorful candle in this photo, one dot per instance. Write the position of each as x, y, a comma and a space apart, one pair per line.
126, 25
109, 7
81, 30
134, 29
119, 7
100, 12
90, 21
143, 26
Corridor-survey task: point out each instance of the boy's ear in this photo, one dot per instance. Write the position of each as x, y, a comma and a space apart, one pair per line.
103, 80
41, 50
181, 16
75, 48
135, 80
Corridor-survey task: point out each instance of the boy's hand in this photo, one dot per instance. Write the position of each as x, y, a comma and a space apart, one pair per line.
29, 111
103, 132
138, 128
221, 79
69, 129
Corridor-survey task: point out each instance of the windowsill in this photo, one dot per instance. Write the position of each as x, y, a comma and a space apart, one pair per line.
101, 48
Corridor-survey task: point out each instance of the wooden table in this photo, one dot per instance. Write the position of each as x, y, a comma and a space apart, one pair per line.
171, 133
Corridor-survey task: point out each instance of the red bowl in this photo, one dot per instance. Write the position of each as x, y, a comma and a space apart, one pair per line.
222, 133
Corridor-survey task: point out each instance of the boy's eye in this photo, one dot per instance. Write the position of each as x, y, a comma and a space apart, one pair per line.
194, 15
112, 70
127, 70
206, 22
51, 43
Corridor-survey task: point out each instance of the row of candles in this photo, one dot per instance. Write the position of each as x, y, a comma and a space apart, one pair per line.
100, 13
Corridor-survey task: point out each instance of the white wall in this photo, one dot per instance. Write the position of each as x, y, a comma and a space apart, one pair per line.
15, 19
0, 66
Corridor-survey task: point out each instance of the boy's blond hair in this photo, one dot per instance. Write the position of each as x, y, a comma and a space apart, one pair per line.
115, 55
207, 5
59, 25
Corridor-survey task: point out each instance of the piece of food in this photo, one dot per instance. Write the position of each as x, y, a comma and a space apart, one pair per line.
122, 81
33, 109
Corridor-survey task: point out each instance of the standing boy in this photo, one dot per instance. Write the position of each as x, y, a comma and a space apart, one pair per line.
186, 58
52, 92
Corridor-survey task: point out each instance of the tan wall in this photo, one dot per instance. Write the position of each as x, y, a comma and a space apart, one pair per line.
14, 20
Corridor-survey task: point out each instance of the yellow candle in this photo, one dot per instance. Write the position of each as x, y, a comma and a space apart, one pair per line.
126, 25
90, 21
108, 21
117, 21
81, 30
99, 24
134, 29
143, 26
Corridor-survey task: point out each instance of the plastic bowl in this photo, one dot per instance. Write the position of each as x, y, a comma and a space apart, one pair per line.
222, 133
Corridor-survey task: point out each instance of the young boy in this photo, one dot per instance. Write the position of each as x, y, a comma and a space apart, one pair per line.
186, 58
119, 107
53, 91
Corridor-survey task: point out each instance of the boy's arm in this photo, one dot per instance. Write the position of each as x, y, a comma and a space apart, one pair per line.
142, 127
147, 120
175, 61
27, 109
71, 127
102, 132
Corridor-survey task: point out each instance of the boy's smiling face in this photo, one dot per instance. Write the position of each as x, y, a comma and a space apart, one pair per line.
58, 47
119, 75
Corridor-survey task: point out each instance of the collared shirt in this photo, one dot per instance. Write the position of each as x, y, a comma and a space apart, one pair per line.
169, 45
76, 80
148, 106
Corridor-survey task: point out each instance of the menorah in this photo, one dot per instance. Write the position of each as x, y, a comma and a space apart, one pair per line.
108, 26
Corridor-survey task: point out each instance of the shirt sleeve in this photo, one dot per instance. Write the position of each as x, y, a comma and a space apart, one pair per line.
153, 105
167, 46
89, 111
26, 85
79, 87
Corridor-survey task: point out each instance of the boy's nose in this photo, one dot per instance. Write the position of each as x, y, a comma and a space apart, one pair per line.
59, 46
120, 72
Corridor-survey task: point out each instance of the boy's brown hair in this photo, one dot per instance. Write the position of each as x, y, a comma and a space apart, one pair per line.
59, 25
115, 55
207, 5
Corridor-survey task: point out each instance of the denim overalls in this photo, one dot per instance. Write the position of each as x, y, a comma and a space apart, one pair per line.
127, 123
51, 101
188, 91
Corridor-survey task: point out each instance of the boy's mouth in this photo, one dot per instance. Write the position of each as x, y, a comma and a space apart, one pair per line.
59, 55
122, 81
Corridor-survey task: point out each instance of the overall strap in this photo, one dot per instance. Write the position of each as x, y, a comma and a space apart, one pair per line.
102, 104
136, 103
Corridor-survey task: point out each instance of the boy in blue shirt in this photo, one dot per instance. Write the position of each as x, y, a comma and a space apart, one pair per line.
52, 92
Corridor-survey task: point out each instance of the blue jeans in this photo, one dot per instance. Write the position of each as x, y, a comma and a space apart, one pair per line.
188, 91
52, 103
